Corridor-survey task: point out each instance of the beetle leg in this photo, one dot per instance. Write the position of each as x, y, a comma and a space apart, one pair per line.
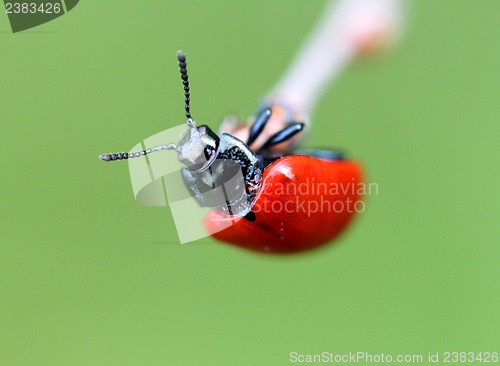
258, 126
330, 155
283, 135
250, 216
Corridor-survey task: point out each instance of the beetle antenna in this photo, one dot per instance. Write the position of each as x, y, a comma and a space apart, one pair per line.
136, 154
181, 57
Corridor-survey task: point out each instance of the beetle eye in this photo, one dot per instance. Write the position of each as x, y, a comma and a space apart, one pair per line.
209, 151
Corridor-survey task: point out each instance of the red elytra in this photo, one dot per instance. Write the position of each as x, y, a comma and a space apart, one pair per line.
304, 202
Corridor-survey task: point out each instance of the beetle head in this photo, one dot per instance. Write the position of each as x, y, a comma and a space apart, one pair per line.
198, 146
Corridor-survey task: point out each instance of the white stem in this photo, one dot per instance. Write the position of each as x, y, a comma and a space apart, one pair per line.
346, 27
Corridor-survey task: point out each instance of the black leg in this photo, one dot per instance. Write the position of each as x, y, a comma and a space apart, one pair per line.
250, 216
283, 135
258, 126
331, 155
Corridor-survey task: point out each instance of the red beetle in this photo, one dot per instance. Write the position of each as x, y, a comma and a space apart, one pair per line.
286, 222
284, 200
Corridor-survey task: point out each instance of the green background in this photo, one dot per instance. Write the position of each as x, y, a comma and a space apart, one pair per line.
88, 277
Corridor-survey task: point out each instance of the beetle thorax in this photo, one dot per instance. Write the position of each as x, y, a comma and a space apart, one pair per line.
221, 172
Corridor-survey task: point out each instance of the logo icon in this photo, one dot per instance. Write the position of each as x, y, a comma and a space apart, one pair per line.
25, 14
